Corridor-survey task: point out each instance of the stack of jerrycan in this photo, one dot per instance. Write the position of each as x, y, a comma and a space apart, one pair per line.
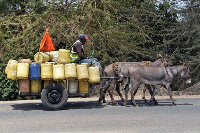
87, 74
42, 71
59, 67
45, 71
52, 67
35, 78
23, 75
71, 76
55, 69
83, 77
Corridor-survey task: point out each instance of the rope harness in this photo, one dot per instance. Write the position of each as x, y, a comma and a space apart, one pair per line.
115, 67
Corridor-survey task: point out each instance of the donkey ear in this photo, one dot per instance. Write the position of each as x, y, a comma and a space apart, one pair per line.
159, 56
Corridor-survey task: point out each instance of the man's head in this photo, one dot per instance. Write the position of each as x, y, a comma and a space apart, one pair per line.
82, 38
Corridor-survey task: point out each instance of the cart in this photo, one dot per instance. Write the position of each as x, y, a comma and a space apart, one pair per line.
54, 94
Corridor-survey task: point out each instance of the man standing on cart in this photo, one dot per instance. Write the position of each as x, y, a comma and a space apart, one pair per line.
77, 53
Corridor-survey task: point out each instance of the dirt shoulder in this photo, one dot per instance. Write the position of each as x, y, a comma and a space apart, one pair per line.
95, 98
191, 92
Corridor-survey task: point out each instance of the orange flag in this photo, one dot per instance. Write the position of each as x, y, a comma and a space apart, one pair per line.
46, 43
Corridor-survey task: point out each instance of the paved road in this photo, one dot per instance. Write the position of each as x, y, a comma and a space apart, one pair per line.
85, 116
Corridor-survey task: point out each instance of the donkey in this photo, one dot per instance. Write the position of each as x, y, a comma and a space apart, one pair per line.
123, 72
112, 71
160, 76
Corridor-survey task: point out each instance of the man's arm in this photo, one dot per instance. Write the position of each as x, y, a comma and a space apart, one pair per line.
79, 51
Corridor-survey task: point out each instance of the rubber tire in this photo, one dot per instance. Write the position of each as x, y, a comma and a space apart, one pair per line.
63, 100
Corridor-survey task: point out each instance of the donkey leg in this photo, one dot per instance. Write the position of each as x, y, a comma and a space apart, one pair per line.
112, 98
154, 93
132, 98
118, 91
133, 92
110, 91
128, 86
170, 95
143, 93
126, 94
103, 91
101, 95
151, 93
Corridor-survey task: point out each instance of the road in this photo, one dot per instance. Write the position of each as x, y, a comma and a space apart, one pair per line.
86, 116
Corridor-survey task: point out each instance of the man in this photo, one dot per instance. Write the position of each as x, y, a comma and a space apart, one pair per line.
77, 53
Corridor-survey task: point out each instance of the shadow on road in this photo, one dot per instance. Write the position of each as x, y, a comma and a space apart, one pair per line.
142, 103
28, 106
83, 105
91, 105
69, 105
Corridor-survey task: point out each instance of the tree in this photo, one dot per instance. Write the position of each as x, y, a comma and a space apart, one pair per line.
118, 30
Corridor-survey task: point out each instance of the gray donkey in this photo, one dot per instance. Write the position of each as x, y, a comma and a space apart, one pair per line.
112, 70
156, 76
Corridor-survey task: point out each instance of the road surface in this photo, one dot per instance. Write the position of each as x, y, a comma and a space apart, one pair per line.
84, 115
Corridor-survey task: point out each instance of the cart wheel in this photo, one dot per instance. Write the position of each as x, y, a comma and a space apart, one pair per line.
54, 97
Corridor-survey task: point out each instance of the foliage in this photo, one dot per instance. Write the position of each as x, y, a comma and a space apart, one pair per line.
8, 88
118, 30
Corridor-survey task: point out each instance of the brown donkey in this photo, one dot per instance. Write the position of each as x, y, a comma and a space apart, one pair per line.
113, 70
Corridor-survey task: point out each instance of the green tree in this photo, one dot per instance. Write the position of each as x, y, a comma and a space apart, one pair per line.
118, 30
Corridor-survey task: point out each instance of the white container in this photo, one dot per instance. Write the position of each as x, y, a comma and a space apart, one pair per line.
72, 87
54, 55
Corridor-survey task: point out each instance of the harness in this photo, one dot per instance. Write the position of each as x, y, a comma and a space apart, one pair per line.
146, 63
166, 70
117, 66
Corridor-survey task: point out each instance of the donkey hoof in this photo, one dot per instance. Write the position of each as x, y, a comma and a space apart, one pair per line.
99, 101
116, 103
174, 104
145, 100
135, 105
156, 103
150, 103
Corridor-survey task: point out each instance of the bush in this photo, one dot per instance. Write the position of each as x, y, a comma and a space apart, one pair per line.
8, 88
